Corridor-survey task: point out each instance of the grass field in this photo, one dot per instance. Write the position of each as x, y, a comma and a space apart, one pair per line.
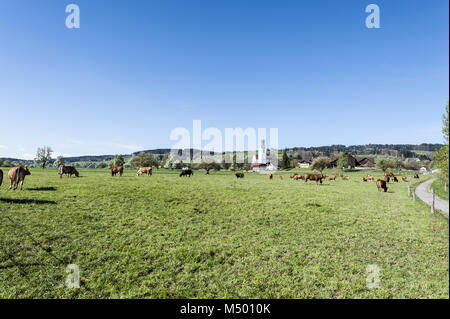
438, 187
217, 237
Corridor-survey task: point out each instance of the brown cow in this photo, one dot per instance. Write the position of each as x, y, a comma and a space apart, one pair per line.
381, 185
144, 170
314, 177
389, 174
387, 179
370, 177
17, 174
345, 178
116, 169
332, 177
299, 176
69, 170
1, 177
270, 176
404, 179
416, 175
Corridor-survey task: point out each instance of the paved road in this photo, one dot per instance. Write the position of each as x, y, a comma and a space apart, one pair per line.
424, 193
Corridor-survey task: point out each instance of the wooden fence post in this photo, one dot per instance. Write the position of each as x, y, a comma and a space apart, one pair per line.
433, 199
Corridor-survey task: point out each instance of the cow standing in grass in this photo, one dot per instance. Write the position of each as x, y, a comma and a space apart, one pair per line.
314, 177
17, 175
144, 170
239, 175
381, 185
186, 172
404, 179
69, 170
1, 177
116, 170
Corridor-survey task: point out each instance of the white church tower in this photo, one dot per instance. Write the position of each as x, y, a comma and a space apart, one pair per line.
262, 153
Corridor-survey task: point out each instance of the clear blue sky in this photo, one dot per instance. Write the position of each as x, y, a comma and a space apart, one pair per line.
135, 70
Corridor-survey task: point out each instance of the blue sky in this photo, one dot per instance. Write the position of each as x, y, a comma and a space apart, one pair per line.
135, 70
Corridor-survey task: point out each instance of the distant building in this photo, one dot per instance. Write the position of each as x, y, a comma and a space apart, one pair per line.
259, 161
354, 162
304, 163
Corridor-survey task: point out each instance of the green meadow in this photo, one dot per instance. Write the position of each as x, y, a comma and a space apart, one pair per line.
214, 236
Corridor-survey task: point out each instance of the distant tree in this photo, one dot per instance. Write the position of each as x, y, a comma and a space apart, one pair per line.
225, 165
285, 161
102, 165
396, 163
342, 161
442, 156
320, 163
383, 164
144, 160
59, 161
1, 163
7, 163
43, 156
118, 160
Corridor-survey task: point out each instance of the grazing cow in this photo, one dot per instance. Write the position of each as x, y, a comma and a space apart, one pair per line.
280, 177
17, 174
381, 185
144, 170
370, 177
345, 178
239, 175
395, 179
389, 174
332, 177
116, 169
296, 177
387, 179
404, 179
270, 176
1, 177
314, 177
364, 179
416, 175
69, 170
186, 172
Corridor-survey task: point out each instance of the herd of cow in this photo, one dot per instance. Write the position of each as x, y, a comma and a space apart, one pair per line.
17, 175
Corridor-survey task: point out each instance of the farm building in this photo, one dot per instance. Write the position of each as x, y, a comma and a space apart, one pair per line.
304, 163
356, 161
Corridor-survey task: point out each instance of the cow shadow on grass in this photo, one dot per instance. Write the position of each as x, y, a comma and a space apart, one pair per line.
27, 201
38, 189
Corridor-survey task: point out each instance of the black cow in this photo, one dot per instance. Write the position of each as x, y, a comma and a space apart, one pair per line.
1, 177
186, 172
239, 175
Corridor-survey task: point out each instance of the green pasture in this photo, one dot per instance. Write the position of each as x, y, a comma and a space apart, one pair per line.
214, 236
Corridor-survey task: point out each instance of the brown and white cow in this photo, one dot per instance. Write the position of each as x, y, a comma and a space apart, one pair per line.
332, 177
17, 175
144, 170
404, 179
116, 170
370, 177
389, 174
270, 176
